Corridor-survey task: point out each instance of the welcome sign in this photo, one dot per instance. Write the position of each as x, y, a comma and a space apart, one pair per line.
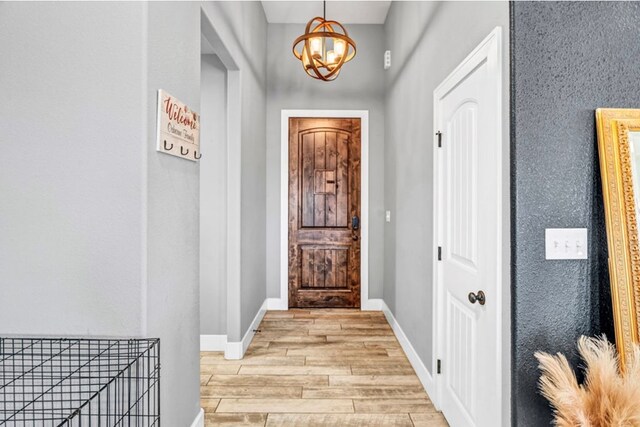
178, 128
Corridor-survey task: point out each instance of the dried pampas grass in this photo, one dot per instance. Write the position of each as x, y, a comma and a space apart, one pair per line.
606, 398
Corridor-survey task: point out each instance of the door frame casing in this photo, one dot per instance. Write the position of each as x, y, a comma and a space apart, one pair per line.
283, 302
490, 50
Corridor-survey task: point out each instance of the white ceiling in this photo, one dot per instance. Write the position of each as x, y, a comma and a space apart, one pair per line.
346, 12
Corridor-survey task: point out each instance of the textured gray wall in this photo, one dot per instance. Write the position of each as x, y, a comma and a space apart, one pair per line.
426, 45
359, 87
568, 59
213, 192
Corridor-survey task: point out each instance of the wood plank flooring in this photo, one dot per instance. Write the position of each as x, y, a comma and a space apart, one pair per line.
318, 367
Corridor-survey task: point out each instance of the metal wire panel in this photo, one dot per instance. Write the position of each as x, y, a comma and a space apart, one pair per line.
79, 382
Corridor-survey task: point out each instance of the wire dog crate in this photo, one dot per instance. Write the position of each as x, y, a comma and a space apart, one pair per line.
79, 382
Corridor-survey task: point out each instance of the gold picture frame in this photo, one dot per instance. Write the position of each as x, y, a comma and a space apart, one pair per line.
613, 127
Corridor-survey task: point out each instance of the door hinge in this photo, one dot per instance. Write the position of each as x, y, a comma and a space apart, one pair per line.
439, 135
439, 368
439, 253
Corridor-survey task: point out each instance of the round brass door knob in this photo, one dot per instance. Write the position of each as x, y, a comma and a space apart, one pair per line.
479, 297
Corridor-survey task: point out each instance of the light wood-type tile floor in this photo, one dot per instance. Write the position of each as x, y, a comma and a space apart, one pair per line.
319, 367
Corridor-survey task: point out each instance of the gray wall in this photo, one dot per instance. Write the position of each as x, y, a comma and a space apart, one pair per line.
568, 59
213, 191
426, 45
359, 87
172, 207
101, 230
71, 175
242, 29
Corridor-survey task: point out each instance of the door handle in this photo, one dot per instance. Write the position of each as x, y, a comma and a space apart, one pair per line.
479, 297
355, 223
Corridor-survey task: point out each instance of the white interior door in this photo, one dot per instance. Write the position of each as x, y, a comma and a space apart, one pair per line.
468, 185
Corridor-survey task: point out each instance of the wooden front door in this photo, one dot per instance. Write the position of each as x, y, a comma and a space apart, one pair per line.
324, 212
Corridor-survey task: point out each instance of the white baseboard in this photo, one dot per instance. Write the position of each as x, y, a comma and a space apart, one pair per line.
369, 305
421, 370
276, 304
199, 420
235, 350
213, 342
372, 305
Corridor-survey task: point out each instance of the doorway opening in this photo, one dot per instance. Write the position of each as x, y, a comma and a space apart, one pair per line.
324, 212
220, 186
283, 303
468, 224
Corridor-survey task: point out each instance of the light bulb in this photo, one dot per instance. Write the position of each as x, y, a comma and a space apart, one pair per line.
339, 47
316, 47
305, 59
331, 58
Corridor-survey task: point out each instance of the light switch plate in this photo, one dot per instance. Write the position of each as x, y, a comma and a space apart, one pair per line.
566, 243
387, 216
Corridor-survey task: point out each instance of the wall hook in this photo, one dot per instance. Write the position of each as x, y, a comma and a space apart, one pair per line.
184, 154
165, 146
195, 155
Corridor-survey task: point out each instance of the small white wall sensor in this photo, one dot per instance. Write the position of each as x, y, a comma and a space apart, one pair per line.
387, 59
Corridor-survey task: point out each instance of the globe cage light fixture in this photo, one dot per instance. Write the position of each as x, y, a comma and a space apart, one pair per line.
324, 47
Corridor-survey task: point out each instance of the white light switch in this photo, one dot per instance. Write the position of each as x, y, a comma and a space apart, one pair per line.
387, 216
566, 243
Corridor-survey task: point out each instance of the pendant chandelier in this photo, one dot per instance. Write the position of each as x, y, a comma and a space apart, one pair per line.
324, 47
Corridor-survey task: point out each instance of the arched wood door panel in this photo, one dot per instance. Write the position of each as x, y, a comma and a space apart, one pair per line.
324, 199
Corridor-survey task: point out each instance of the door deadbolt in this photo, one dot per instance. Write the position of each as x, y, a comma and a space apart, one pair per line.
355, 223
479, 297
